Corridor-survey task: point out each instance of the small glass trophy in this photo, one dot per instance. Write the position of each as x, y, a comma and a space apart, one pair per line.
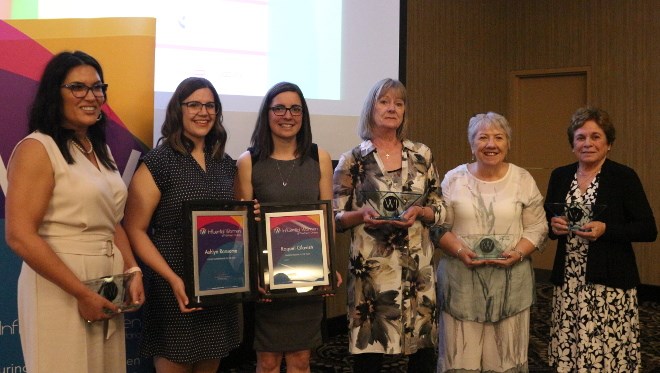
115, 289
577, 214
390, 205
488, 246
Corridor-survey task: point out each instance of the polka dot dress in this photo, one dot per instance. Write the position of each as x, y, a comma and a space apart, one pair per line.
191, 337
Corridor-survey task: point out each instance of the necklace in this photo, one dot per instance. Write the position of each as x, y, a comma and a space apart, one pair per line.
81, 148
285, 181
592, 173
386, 153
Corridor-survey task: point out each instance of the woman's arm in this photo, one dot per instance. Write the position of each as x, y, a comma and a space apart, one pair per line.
122, 243
343, 191
636, 222
325, 189
325, 182
435, 211
432, 211
243, 184
452, 245
534, 224
434, 199
31, 183
143, 198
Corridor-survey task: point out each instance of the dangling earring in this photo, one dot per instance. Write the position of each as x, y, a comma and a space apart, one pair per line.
99, 117
472, 160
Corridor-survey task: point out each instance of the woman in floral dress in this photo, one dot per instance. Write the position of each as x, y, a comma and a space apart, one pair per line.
595, 319
391, 290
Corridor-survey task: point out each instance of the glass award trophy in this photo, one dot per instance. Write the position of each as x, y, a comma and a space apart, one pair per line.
577, 214
390, 205
488, 246
115, 289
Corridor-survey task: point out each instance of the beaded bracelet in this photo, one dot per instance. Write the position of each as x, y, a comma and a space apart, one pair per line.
519, 253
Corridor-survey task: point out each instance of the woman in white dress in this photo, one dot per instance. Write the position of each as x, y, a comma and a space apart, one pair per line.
495, 221
63, 207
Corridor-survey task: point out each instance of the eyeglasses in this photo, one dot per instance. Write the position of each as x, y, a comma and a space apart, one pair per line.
280, 110
79, 90
196, 106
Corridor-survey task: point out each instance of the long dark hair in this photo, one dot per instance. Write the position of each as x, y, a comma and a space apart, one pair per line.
262, 141
172, 130
47, 114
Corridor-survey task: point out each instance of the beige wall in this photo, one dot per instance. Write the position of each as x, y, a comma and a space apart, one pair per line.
460, 54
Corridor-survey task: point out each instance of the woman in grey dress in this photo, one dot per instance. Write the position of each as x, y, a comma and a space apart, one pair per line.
283, 165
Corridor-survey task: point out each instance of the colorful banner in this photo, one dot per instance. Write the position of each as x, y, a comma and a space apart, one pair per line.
125, 47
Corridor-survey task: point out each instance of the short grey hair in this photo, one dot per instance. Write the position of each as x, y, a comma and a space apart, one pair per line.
490, 119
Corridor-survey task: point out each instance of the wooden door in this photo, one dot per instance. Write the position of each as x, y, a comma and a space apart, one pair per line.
540, 107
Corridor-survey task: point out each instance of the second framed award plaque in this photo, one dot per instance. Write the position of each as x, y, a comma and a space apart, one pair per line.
296, 245
219, 266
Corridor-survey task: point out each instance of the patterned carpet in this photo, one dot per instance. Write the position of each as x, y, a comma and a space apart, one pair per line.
333, 357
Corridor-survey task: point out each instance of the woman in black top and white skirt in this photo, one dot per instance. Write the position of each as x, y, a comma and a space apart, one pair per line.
595, 319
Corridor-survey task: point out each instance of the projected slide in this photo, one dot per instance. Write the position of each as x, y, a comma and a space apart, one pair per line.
242, 46
335, 50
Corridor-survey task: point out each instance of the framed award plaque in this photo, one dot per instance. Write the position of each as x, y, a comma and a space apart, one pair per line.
296, 245
219, 265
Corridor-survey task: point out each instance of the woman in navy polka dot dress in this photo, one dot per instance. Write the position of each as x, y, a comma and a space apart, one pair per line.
189, 164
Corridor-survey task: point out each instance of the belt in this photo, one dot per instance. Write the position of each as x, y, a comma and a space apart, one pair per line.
102, 246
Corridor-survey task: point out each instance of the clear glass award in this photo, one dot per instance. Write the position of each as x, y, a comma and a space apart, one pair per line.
390, 205
488, 246
115, 289
577, 214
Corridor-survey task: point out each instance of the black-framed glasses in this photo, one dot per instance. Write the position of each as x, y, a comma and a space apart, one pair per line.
79, 90
280, 110
195, 107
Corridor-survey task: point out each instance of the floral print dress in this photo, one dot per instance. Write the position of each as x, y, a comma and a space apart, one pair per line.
391, 287
595, 328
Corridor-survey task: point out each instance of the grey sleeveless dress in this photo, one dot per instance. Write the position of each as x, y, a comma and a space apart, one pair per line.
287, 324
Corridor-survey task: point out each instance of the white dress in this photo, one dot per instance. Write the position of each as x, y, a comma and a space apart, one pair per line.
79, 224
485, 310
